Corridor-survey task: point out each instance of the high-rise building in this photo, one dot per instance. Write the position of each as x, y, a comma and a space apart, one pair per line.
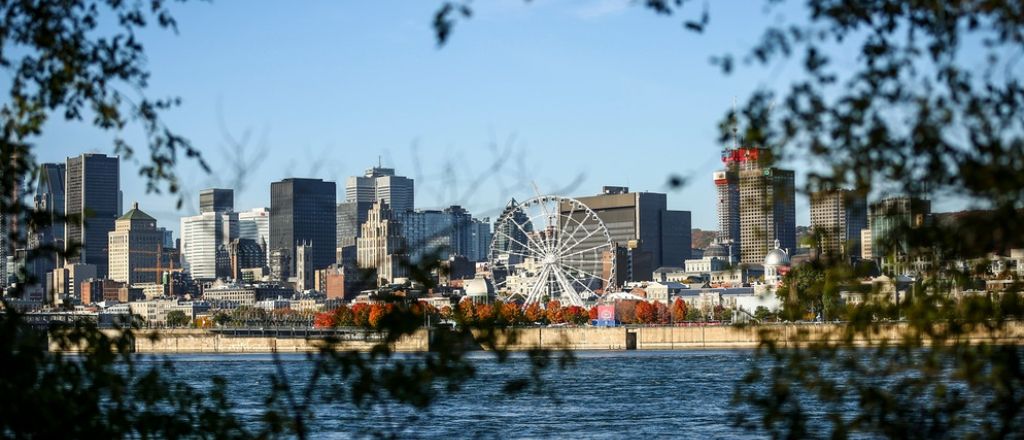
381, 246
304, 211
509, 236
890, 219
382, 184
216, 200
4, 279
479, 240
837, 218
351, 216
641, 222
245, 254
92, 199
254, 225
135, 246
206, 241
727, 186
767, 205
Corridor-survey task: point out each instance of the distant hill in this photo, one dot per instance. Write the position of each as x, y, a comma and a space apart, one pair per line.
701, 238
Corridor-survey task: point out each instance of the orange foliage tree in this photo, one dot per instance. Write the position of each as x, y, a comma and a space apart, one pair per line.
510, 314
361, 315
343, 317
484, 314
576, 315
593, 313
554, 312
534, 313
679, 310
661, 313
645, 313
625, 311
323, 320
377, 312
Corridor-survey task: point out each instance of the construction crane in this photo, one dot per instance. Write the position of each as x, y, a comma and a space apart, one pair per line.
160, 270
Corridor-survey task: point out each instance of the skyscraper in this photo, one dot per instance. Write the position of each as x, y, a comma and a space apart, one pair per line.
381, 246
508, 236
767, 203
254, 225
890, 219
351, 216
135, 246
727, 186
837, 218
216, 200
206, 240
304, 211
381, 184
659, 236
91, 199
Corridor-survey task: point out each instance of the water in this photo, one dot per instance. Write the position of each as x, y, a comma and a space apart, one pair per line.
605, 394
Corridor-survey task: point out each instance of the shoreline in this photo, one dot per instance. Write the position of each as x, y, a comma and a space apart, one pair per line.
647, 338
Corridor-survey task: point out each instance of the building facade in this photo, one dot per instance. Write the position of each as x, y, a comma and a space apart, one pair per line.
254, 225
303, 211
767, 204
205, 240
837, 218
350, 217
890, 219
380, 183
653, 235
136, 247
216, 200
92, 201
382, 246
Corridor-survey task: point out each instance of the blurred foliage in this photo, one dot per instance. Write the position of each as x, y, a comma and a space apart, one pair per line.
892, 97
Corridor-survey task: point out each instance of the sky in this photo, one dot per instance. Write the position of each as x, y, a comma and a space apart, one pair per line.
554, 96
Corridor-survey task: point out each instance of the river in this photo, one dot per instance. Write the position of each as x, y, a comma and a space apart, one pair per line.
604, 394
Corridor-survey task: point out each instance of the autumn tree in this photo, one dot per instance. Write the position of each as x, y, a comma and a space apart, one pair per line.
576, 315
625, 311
645, 313
510, 314
553, 312
534, 314
324, 320
661, 313
361, 315
377, 312
679, 310
343, 316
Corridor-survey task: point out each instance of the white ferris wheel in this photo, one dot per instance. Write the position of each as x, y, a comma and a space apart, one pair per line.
550, 247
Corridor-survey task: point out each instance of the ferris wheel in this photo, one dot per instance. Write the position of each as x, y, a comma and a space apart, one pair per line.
550, 247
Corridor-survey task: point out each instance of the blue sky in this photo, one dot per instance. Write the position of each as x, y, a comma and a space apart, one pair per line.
581, 93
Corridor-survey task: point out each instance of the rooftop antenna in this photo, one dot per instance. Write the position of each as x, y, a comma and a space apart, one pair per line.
380, 163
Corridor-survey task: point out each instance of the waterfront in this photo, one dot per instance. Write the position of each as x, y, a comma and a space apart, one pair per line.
607, 394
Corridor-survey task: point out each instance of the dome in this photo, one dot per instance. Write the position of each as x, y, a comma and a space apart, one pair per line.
479, 287
716, 250
776, 257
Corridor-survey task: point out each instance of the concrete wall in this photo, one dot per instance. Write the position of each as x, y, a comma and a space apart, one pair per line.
203, 341
560, 338
677, 338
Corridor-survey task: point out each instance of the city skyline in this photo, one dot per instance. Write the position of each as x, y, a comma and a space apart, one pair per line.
357, 98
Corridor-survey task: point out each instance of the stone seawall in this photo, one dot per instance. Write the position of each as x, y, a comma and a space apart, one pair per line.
554, 338
205, 341
707, 337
